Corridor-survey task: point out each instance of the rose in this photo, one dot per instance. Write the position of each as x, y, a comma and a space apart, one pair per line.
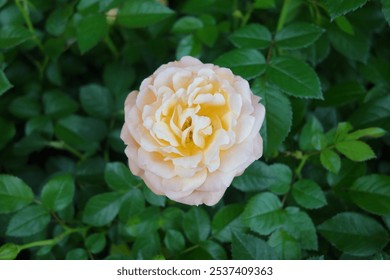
190, 129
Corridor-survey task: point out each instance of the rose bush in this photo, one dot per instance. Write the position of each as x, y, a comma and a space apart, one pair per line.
191, 129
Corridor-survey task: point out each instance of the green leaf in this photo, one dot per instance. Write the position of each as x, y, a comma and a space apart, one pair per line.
298, 35
373, 113
14, 194
8, 132
146, 221
118, 78
141, 13
386, 10
25, 107
77, 254
248, 63
338, 8
300, 226
355, 234
90, 31
373, 132
355, 150
147, 246
276, 126
57, 104
58, 192
343, 93
41, 125
344, 24
154, 199
308, 194
102, 209
286, 246
253, 35
174, 241
226, 221
133, 203
187, 24
28, 221
188, 45
9, 251
372, 193
208, 34
248, 247
118, 177
355, 47
264, 213
213, 250
11, 36
294, 77
309, 132
196, 225
264, 4
58, 19
330, 160
97, 101
4, 83
83, 133
96, 242
259, 176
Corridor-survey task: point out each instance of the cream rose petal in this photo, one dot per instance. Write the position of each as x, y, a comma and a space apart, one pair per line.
190, 129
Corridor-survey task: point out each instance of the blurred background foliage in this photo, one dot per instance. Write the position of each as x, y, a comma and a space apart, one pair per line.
321, 190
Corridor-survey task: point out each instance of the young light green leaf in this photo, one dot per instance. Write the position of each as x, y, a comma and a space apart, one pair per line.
28, 221
11, 36
373, 132
4, 83
355, 150
286, 246
248, 63
14, 194
248, 247
372, 193
90, 30
226, 221
263, 213
255, 36
338, 8
344, 24
294, 77
9, 251
187, 24
101, 209
330, 160
298, 35
141, 13
58, 192
308, 194
276, 126
196, 224
355, 234
118, 177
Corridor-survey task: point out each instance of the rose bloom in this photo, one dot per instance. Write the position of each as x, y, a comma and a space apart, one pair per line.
190, 129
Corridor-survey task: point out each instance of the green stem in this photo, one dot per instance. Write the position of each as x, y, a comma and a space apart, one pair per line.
53, 241
63, 146
111, 46
283, 15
